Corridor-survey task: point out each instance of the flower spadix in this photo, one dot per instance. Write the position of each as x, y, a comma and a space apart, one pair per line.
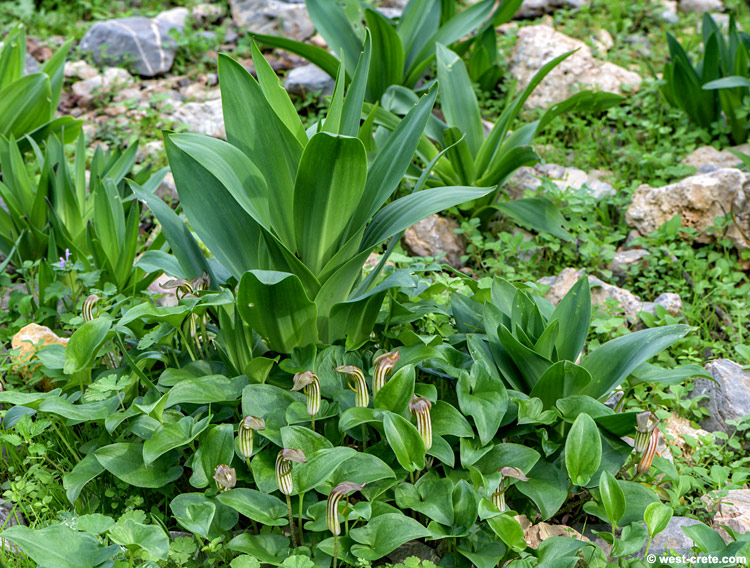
332, 505
498, 497
384, 365
308, 383
420, 407
246, 434
284, 469
356, 380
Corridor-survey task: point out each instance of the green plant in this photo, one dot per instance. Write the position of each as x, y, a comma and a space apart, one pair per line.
56, 216
401, 53
28, 103
295, 215
718, 84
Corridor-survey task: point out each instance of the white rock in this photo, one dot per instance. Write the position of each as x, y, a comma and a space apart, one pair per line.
535, 8
699, 200
435, 236
274, 17
707, 158
530, 178
80, 70
701, 6
626, 258
537, 45
208, 13
204, 118
732, 510
669, 12
174, 18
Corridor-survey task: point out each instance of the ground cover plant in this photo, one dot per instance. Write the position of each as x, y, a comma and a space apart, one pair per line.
256, 356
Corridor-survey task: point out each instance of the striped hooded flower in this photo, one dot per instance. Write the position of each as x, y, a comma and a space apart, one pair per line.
332, 505
90, 311
646, 423
384, 365
246, 434
420, 407
498, 497
284, 469
225, 477
648, 455
357, 383
308, 383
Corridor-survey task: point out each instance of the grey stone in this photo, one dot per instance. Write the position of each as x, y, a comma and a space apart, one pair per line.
308, 79
530, 178
9, 516
414, 548
669, 12
174, 18
31, 66
731, 510
208, 13
274, 17
701, 6
698, 199
436, 236
142, 42
202, 117
728, 397
624, 259
673, 538
536, 8
707, 159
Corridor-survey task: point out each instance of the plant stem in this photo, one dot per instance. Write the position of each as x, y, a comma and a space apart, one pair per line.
291, 521
299, 533
335, 550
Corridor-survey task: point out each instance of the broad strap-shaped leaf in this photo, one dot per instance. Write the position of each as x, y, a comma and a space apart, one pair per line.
253, 127
392, 161
457, 98
334, 24
574, 313
60, 546
314, 54
24, 105
611, 363
329, 186
388, 61
418, 23
559, 381
405, 211
537, 213
13, 56
355, 96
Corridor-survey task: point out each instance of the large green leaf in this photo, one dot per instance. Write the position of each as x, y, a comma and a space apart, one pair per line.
276, 306
314, 54
405, 441
125, 461
83, 472
24, 105
457, 98
384, 534
583, 450
559, 381
256, 505
84, 345
216, 448
388, 62
574, 314
611, 363
333, 23
483, 398
134, 535
172, 435
405, 211
329, 186
537, 213
59, 546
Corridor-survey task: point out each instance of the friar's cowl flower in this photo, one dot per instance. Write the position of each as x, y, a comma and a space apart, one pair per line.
246, 434
384, 365
648, 455
646, 423
420, 407
225, 477
332, 505
309, 383
89, 304
284, 469
498, 497
357, 383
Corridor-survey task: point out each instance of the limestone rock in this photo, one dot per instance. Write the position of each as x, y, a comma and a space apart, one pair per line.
674, 538
435, 236
669, 12
174, 18
535, 8
164, 297
9, 516
707, 158
416, 549
728, 397
678, 429
701, 6
204, 118
275, 17
669, 301
534, 535
732, 510
539, 44
530, 178
308, 79
207, 13
601, 292
699, 199
110, 79
30, 339
141, 42
80, 70
624, 259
